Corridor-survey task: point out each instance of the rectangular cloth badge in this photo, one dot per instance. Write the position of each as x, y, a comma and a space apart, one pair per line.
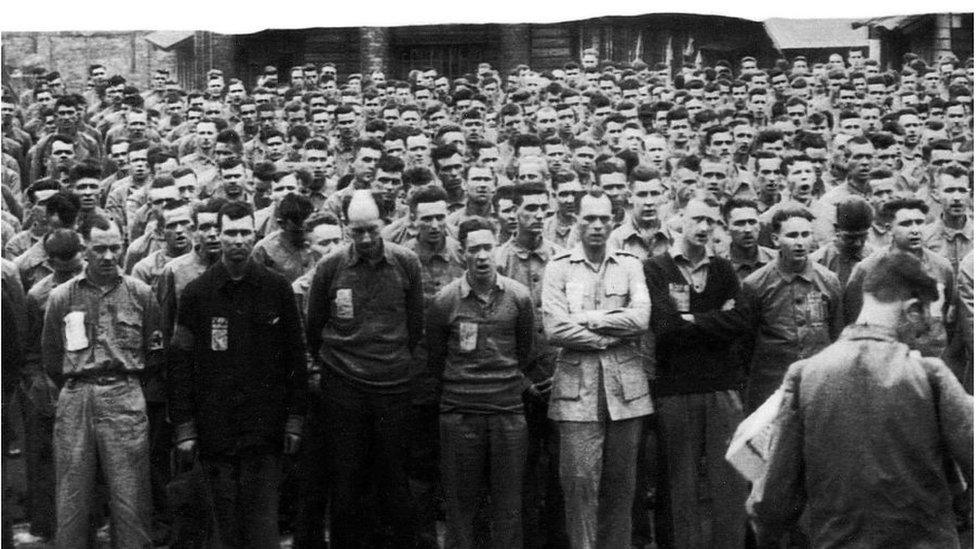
816, 308
218, 333
343, 303
75, 334
468, 332
681, 294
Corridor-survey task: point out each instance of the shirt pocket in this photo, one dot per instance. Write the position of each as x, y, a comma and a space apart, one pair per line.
616, 288
568, 378
128, 329
633, 379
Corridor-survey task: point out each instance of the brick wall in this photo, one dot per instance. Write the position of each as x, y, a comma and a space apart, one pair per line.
70, 53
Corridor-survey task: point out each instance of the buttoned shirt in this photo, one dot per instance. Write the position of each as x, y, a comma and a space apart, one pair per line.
120, 324
365, 316
438, 268
150, 267
864, 432
839, 263
36, 304
630, 238
695, 273
33, 264
141, 247
597, 314
19, 244
280, 255
174, 277
481, 345
562, 233
952, 244
794, 316
206, 170
399, 230
745, 267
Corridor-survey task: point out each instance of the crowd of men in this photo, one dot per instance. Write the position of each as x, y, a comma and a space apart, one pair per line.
532, 305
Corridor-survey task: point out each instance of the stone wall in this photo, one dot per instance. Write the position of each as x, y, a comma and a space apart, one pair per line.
70, 52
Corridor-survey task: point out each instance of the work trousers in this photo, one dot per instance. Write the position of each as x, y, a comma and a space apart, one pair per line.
598, 469
40, 403
369, 448
244, 491
482, 452
102, 425
705, 496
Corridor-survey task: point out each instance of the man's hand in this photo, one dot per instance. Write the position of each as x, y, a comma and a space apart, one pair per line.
688, 317
539, 392
315, 383
186, 454
292, 442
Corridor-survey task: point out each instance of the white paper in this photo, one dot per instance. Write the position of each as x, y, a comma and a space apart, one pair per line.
75, 334
749, 451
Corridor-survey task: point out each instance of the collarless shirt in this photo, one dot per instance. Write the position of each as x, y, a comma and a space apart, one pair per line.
481, 345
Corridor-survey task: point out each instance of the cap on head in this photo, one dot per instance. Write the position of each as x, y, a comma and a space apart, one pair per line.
854, 214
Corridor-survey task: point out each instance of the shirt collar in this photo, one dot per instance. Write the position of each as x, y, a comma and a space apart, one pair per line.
577, 256
966, 231
679, 249
386, 252
805, 274
466, 289
541, 251
223, 277
83, 278
450, 250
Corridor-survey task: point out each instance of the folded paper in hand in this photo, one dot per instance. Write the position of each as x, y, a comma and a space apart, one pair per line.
749, 451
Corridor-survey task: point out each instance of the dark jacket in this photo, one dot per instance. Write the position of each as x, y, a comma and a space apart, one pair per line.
238, 368
691, 358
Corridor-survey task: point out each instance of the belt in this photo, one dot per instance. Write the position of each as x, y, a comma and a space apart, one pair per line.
99, 378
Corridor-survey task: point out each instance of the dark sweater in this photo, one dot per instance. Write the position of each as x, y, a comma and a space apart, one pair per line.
691, 358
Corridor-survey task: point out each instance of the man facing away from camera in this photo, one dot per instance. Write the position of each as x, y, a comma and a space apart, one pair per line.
867, 429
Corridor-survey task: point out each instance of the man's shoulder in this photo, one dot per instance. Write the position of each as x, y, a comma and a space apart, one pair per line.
62, 292
201, 283
829, 277
138, 287
938, 261
625, 258
41, 289
519, 291
150, 260
269, 278
562, 257
400, 252
758, 277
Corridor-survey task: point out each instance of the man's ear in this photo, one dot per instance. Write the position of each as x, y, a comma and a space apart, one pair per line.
775, 238
914, 308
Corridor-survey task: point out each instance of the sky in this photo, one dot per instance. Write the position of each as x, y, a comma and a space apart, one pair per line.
245, 17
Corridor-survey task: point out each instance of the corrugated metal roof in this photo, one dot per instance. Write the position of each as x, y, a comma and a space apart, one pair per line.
796, 34
165, 40
891, 23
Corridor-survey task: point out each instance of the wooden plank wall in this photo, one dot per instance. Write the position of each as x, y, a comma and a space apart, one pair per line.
551, 46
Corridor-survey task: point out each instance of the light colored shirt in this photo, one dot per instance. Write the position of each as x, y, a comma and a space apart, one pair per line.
597, 314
